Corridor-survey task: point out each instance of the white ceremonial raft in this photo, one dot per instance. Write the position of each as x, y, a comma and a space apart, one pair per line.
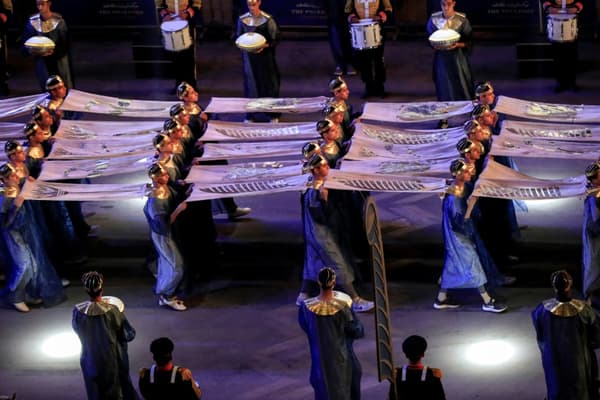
38, 45
176, 35
562, 27
251, 42
366, 34
444, 38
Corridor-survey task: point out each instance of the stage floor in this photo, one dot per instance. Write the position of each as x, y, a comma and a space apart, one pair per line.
240, 337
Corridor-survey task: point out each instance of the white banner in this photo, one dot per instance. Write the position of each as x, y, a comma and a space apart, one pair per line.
53, 170
40, 190
94, 103
250, 150
384, 183
508, 144
96, 149
209, 191
219, 131
17, 106
243, 171
11, 130
387, 134
551, 131
221, 105
415, 112
395, 167
369, 149
84, 130
569, 113
499, 181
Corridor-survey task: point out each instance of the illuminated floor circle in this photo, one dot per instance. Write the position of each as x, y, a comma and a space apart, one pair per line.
62, 345
490, 352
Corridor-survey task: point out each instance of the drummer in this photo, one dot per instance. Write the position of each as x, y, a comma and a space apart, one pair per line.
564, 53
370, 61
184, 61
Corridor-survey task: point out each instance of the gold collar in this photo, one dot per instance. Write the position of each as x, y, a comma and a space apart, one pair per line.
566, 309
324, 308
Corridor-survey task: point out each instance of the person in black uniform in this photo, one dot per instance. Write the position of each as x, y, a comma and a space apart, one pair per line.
339, 36
564, 53
370, 61
184, 61
164, 380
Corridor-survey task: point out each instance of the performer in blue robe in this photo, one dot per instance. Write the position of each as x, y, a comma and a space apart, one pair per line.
33, 278
160, 212
339, 89
199, 119
331, 327
261, 74
567, 332
451, 68
465, 256
591, 232
57, 61
325, 236
104, 331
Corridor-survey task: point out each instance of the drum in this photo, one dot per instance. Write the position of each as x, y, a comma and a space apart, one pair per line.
365, 34
251, 42
443, 38
38, 45
562, 27
115, 301
176, 35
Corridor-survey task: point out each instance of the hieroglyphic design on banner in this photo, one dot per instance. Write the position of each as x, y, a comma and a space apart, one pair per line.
416, 167
566, 113
499, 181
207, 191
40, 190
85, 149
243, 171
83, 130
516, 146
249, 150
229, 131
538, 130
368, 149
408, 136
415, 112
81, 169
384, 183
383, 324
220, 105
93, 103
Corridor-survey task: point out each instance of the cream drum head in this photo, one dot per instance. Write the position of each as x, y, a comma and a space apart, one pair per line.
444, 38
251, 42
38, 45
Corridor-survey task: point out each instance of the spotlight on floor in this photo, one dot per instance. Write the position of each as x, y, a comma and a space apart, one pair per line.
62, 345
490, 352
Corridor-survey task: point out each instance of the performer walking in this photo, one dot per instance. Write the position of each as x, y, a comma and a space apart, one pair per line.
53, 62
451, 66
567, 332
261, 73
331, 327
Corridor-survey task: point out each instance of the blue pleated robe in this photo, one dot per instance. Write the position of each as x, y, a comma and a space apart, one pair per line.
321, 225
462, 264
335, 371
591, 245
170, 261
567, 345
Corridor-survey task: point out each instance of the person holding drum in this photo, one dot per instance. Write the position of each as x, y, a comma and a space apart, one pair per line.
562, 33
55, 59
261, 73
451, 68
366, 18
178, 29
